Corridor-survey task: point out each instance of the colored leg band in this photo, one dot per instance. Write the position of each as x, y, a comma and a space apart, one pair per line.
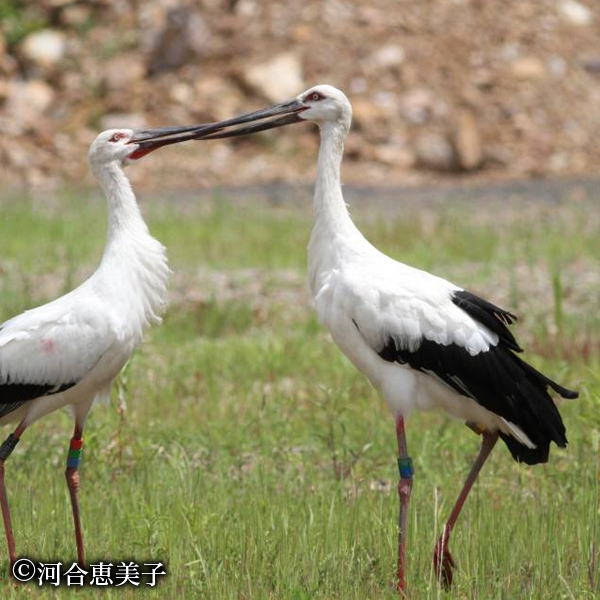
76, 444
8, 445
406, 467
75, 452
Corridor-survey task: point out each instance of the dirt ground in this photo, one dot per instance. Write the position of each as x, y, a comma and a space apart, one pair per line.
476, 89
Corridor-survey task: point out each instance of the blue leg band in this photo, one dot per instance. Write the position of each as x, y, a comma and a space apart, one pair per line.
75, 452
406, 467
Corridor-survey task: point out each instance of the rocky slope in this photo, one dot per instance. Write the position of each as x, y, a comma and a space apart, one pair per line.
478, 88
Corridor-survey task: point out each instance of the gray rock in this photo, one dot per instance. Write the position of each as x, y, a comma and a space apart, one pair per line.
434, 151
45, 48
575, 13
26, 101
557, 66
417, 105
182, 93
185, 35
390, 55
278, 78
247, 8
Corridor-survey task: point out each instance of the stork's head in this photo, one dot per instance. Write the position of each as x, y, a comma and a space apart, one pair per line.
111, 146
321, 104
124, 145
324, 104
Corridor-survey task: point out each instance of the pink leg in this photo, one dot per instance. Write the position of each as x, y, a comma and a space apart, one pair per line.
5, 451
72, 476
442, 559
404, 490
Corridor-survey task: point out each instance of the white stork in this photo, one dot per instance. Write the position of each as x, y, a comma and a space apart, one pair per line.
424, 342
69, 351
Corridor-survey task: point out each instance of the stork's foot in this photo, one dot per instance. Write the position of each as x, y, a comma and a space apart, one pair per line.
443, 563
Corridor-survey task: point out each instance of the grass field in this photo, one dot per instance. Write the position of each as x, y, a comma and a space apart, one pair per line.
242, 450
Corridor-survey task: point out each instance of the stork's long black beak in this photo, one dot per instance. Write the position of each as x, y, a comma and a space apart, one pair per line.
286, 113
148, 140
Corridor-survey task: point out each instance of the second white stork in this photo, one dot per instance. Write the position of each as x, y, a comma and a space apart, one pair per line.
424, 342
69, 351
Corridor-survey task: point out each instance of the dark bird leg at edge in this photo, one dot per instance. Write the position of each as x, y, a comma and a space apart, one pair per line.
72, 477
442, 559
404, 490
5, 451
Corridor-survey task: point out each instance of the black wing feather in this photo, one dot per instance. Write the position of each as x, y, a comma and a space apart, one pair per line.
497, 379
493, 317
14, 395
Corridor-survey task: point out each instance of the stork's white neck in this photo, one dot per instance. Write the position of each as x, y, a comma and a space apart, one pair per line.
124, 215
334, 237
133, 260
329, 207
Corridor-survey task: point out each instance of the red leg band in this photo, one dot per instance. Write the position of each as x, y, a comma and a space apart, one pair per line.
76, 444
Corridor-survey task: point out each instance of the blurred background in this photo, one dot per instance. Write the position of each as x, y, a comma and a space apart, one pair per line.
440, 88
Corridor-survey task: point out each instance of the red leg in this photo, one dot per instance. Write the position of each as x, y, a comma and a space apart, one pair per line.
5, 451
72, 476
404, 490
10, 539
442, 559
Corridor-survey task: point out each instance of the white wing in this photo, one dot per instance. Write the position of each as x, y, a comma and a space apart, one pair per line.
55, 344
392, 300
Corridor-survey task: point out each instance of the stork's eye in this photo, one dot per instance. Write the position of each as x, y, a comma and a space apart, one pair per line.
314, 97
117, 137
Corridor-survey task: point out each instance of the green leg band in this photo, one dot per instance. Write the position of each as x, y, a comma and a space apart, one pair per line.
74, 458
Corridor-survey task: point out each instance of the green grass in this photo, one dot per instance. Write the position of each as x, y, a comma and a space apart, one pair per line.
253, 460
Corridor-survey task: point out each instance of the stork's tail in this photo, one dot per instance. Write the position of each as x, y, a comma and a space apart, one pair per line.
544, 423
529, 456
536, 375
